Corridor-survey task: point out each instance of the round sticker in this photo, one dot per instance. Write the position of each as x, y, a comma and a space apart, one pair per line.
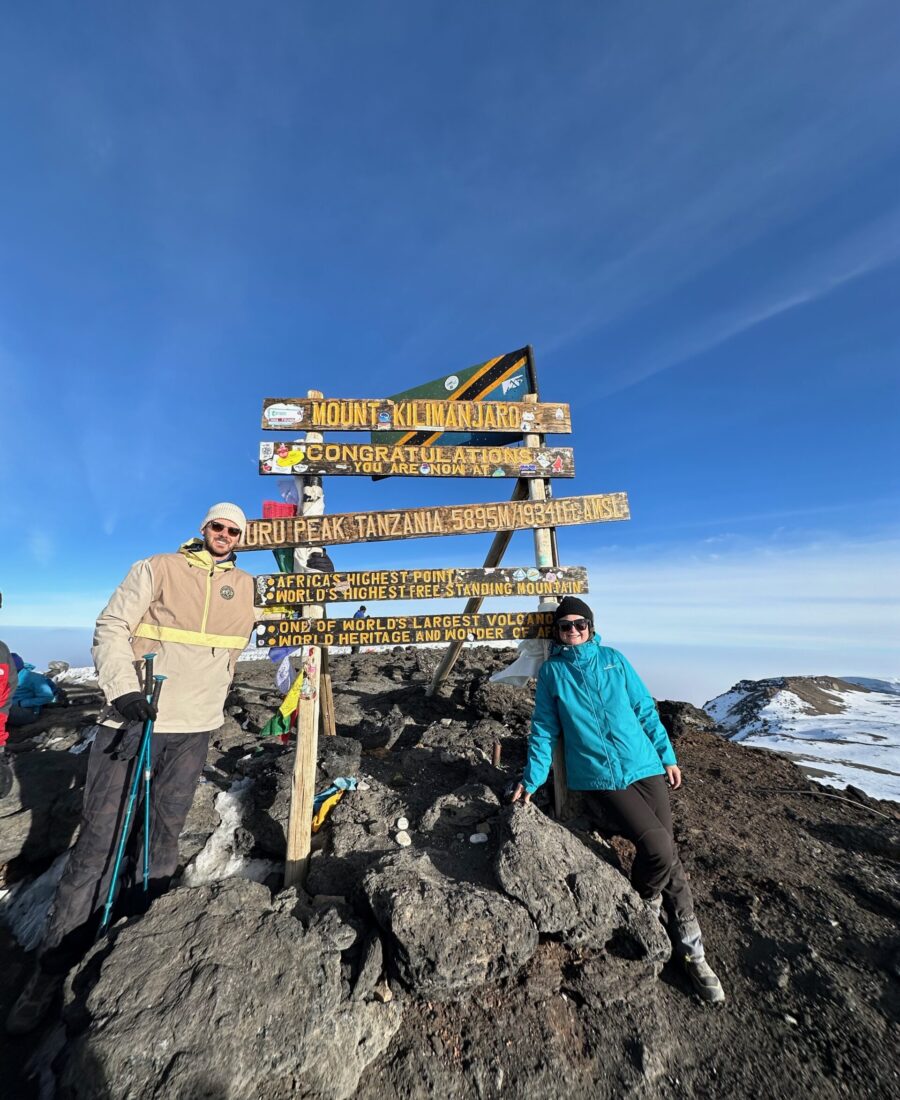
226, 592
451, 383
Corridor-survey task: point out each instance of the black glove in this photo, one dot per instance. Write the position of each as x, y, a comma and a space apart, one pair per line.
320, 560
6, 774
134, 707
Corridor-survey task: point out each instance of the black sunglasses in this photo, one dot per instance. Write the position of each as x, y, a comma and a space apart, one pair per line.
572, 624
218, 527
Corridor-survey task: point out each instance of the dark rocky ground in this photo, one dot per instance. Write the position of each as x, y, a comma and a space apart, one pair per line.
523, 966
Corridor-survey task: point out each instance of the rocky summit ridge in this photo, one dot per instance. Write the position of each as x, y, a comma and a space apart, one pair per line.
450, 945
841, 731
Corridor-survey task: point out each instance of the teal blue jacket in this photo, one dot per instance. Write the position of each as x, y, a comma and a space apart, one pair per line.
611, 732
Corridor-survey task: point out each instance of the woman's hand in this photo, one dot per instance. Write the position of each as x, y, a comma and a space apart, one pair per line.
673, 775
520, 792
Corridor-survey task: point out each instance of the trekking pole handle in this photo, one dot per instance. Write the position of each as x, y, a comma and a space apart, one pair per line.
148, 674
157, 688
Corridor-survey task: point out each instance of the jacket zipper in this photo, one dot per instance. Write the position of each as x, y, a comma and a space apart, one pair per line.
209, 577
594, 662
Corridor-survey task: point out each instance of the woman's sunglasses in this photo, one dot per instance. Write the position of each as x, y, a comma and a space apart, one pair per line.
572, 624
219, 527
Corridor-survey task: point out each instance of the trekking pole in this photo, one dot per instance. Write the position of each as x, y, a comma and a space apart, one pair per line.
139, 769
154, 699
144, 763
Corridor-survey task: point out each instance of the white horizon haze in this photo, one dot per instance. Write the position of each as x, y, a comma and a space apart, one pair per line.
693, 621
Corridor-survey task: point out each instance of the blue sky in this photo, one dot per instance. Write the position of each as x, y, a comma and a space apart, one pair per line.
690, 211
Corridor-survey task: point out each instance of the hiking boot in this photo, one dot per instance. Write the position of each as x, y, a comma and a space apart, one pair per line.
703, 979
34, 1002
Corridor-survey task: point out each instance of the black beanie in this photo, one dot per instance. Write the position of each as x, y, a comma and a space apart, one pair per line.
571, 605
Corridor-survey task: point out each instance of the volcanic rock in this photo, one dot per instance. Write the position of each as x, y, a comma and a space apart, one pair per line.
447, 937
339, 756
460, 810
358, 834
218, 992
511, 705
41, 813
571, 892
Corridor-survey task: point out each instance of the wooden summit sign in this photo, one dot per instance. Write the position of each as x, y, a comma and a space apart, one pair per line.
343, 415
315, 459
368, 586
404, 629
460, 519
453, 426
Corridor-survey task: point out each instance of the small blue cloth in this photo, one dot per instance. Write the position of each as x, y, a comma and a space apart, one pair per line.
342, 783
278, 652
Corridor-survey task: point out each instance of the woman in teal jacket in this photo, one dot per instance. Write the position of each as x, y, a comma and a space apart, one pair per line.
619, 754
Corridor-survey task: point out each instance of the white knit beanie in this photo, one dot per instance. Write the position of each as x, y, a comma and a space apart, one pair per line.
226, 511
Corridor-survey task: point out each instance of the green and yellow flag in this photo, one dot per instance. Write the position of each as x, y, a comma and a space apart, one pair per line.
280, 722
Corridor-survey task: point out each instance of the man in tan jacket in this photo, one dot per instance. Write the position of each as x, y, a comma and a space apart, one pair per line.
194, 611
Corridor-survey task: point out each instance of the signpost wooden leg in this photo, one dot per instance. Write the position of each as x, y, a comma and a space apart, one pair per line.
327, 708
303, 783
544, 553
312, 503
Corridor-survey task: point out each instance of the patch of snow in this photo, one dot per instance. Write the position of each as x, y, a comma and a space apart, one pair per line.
251, 653
26, 906
219, 859
725, 709
860, 745
81, 675
86, 742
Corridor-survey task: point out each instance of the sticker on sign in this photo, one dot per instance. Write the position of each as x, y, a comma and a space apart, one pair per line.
283, 416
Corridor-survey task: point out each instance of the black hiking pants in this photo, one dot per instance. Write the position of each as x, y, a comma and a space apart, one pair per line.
646, 816
176, 763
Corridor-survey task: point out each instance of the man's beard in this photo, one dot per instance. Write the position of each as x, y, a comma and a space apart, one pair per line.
212, 550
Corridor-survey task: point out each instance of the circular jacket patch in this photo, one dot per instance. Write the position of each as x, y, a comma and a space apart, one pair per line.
226, 592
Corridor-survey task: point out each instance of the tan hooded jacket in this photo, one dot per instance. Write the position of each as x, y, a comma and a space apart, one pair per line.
195, 614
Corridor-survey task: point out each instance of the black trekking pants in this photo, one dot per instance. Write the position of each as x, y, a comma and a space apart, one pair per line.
176, 762
644, 811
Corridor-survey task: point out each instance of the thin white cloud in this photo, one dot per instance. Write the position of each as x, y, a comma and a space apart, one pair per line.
40, 546
821, 595
61, 610
875, 246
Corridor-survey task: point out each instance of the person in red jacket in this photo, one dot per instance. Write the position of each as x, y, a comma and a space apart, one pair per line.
8, 681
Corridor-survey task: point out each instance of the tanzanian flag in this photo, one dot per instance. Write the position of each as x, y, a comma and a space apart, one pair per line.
505, 378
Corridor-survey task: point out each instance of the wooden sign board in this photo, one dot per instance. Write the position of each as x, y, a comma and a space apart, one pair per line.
460, 519
380, 459
404, 629
289, 589
333, 414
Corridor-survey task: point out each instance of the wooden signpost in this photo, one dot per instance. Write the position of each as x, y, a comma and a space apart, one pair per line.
383, 461
404, 441
303, 778
368, 586
411, 523
287, 414
404, 629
